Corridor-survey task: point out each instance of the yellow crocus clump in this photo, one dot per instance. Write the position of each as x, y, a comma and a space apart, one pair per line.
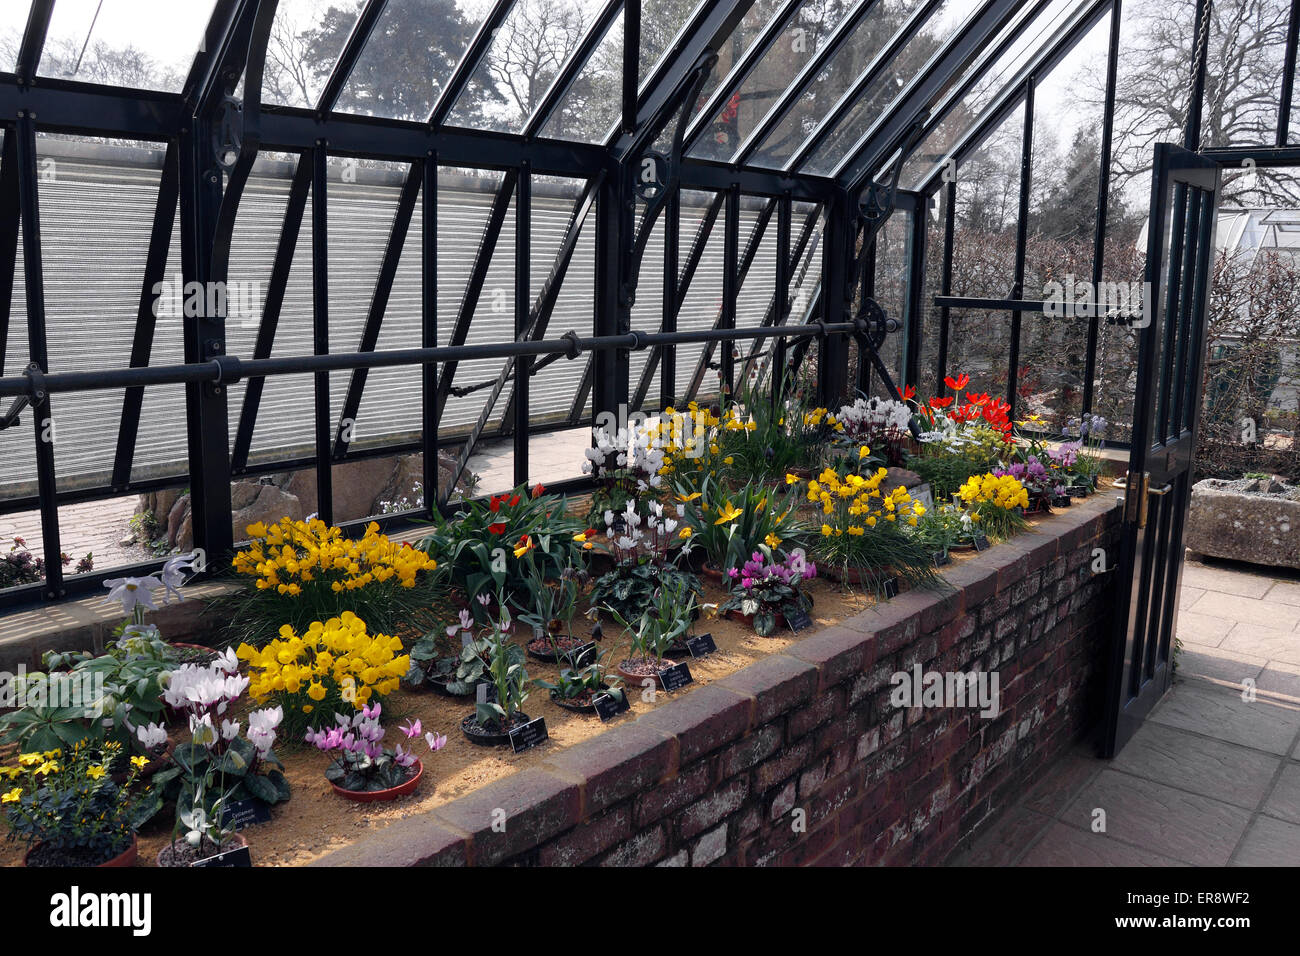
337, 658
290, 555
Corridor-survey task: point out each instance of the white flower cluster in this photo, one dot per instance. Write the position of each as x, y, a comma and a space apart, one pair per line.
876, 417
214, 686
631, 453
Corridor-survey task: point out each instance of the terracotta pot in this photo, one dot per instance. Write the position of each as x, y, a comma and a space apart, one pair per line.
855, 575
233, 842
546, 654
126, 858
377, 796
634, 680
716, 575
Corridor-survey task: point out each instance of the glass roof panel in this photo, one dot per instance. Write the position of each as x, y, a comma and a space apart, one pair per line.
530, 48
836, 78
13, 19
414, 48
144, 44
306, 39
994, 74
806, 33
871, 104
592, 104
736, 46
662, 24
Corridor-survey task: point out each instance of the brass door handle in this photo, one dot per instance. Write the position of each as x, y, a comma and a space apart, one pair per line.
1162, 491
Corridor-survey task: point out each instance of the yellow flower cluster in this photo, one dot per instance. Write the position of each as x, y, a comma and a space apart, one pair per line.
823, 416
732, 422
859, 502
1003, 491
329, 658
681, 435
291, 554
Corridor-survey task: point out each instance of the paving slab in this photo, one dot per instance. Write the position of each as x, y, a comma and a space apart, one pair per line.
1227, 581
1218, 712
1284, 801
1164, 820
1188, 596
1263, 613
1062, 845
1200, 660
1006, 841
1202, 628
1269, 842
1281, 679
1284, 592
1273, 643
1210, 768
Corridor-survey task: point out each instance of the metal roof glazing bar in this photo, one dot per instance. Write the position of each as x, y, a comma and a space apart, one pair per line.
744, 66
879, 63
569, 73
839, 36
478, 48
954, 56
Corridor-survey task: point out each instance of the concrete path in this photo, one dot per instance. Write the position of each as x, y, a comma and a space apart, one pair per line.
1213, 776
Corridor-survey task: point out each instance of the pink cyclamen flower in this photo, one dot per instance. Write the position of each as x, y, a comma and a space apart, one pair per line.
412, 729
435, 741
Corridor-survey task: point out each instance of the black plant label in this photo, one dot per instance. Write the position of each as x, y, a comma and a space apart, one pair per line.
529, 735
701, 644
675, 677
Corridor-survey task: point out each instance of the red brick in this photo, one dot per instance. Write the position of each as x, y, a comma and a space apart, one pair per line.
615, 765
686, 787
703, 720
778, 683
588, 839
537, 804
414, 841
838, 652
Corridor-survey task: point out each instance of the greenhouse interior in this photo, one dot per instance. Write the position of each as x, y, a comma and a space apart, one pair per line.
650, 433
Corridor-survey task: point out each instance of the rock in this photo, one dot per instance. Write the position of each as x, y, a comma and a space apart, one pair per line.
1245, 521
899, 476
360, 487
270, 505
180, 511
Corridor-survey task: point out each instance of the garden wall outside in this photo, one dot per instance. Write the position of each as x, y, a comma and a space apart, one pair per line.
801, 758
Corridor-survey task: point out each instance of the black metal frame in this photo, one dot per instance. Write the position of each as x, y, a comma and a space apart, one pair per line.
205, 180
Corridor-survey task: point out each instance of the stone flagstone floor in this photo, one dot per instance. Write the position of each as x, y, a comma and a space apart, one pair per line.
1210, 779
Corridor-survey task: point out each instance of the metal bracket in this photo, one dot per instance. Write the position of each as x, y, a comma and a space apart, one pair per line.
575, 344
228, 133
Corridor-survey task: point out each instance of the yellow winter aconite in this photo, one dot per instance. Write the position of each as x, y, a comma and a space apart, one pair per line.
288, 555
336, 660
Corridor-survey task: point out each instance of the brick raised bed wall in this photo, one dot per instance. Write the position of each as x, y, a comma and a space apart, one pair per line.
801, 758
